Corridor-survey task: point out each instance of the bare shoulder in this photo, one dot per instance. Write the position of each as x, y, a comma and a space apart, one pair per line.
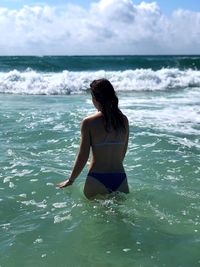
125, 118
88, 121
92, 118
126, 121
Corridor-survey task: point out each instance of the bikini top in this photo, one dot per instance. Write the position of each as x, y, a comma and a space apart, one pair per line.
109, 142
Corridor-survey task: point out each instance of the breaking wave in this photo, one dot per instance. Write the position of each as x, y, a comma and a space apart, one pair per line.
76, 82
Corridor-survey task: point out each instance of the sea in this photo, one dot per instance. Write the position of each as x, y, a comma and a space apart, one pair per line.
42, 103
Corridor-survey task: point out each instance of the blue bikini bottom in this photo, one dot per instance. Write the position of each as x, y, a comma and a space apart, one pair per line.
111, 181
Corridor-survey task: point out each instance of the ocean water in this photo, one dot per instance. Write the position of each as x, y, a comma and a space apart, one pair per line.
42, 101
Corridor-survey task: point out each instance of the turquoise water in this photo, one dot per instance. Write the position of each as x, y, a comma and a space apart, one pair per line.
157, 224
95, 63
42, 101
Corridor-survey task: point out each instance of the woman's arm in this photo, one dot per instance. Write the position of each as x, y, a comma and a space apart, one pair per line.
127, 137
82, 156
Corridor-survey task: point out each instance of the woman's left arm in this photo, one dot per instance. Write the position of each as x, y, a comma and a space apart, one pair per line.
82, 156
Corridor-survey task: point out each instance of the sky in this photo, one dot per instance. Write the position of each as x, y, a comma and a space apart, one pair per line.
101, 27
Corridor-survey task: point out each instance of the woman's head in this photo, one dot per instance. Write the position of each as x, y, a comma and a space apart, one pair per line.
103, 92
105, 99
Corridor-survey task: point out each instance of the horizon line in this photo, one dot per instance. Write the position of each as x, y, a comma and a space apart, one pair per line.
96, 55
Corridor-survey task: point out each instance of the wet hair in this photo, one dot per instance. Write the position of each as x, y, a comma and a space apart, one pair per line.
104, 93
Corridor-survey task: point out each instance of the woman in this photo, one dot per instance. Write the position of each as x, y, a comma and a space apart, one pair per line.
106, 132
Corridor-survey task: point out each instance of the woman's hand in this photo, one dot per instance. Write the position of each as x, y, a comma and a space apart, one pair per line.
65, 183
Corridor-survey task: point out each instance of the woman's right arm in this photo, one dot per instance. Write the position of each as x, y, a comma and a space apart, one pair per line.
82, 156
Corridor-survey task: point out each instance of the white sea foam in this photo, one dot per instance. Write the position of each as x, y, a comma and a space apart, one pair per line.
59, 205
23, 195
180, 114
7, 179
11, 185
59, 219
69, 82
38, 241
32, 202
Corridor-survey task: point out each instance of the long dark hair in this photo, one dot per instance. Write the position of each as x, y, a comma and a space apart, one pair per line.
104, 93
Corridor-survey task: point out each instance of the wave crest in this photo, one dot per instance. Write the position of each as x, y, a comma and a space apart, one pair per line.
69, 82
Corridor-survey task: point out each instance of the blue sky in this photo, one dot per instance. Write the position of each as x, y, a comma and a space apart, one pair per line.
167, 6
93, 27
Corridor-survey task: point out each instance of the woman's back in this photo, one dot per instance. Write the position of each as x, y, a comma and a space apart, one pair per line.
108, 147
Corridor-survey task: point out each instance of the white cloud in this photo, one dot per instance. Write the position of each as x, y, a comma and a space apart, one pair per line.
107, 27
